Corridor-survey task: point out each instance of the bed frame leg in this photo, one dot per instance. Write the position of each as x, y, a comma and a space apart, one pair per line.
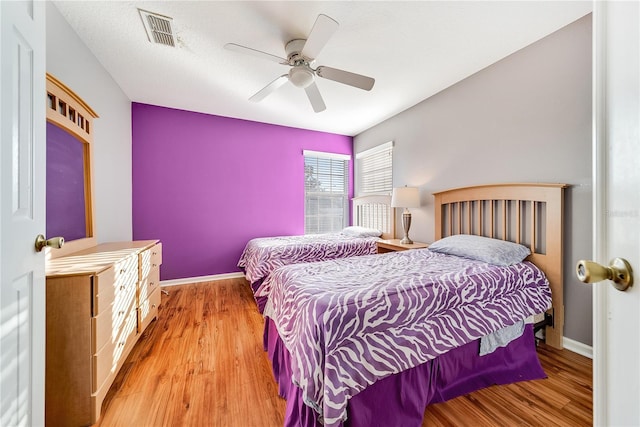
538, 326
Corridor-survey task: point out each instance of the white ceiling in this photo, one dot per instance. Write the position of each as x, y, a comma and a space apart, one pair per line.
413, 49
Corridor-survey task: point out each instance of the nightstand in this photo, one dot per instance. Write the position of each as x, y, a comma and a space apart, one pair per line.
393, 245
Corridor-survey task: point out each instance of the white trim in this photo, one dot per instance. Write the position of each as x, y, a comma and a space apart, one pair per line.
199, 279
375, 149
577, 347
599, 239
324, 155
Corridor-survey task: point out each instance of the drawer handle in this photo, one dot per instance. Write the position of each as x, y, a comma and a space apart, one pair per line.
152, 284
154, 253
122, 287
121, 344
154, 265
153, 306
121, 312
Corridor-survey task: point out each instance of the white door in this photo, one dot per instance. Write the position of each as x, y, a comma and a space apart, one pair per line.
617, 210
22, 212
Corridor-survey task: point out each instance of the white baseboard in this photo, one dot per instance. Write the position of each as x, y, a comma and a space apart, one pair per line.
578, 347
200, 279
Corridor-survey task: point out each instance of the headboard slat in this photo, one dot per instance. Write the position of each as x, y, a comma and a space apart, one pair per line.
519, 222
504, 220
533, 227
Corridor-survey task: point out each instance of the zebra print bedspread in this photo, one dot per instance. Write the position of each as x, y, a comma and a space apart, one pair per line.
263, 255
350, 322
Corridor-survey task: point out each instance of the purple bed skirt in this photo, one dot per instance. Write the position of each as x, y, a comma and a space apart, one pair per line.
401, 399
260, 301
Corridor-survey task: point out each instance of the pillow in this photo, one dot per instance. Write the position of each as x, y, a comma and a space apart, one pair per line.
357, 231
493, 251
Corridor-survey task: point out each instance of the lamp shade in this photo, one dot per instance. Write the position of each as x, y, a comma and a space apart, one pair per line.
405, 197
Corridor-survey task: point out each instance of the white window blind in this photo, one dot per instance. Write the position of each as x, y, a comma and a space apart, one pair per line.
326, 190
374, 170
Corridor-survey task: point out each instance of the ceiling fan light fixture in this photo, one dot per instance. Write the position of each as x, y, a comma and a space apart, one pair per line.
301, 76
301, 55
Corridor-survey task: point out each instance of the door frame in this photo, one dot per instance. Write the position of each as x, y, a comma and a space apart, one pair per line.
603, 294
599, 152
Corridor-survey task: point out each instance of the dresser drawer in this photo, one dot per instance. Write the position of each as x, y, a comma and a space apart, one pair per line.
149, 284
111, 356
107, 325
114, 284
148, 310
156, 255
103, 289
150, 259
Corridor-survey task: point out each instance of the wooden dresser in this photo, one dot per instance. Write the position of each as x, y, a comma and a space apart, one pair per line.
99, 301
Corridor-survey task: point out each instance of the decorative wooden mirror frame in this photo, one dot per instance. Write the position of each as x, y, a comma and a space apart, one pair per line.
69, 112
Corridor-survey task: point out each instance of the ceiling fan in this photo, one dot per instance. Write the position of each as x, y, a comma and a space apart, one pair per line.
301, 56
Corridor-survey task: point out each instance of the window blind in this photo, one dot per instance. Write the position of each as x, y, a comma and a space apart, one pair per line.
374, 169
326, 188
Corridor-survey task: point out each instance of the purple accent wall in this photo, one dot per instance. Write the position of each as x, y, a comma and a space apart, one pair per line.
205, 185
66, 209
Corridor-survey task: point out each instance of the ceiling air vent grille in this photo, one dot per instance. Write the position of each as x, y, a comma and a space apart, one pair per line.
158, 28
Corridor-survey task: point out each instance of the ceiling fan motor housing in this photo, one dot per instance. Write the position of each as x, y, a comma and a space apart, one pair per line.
293, 49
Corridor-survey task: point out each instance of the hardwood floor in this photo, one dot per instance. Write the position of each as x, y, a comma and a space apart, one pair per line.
563, 399
202, 364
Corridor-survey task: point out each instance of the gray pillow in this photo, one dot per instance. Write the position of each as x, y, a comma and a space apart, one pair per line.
493, 251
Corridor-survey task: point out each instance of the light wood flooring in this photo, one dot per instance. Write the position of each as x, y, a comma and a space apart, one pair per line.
202, 364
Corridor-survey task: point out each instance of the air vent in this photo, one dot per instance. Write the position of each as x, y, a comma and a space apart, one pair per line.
158, 28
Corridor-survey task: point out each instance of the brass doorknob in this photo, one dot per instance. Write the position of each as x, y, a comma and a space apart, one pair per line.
54, 242
619, 271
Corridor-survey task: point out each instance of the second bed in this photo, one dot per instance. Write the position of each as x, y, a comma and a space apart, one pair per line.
373, 218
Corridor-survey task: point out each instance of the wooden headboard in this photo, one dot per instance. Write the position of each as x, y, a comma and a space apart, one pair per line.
375, 212
529, 214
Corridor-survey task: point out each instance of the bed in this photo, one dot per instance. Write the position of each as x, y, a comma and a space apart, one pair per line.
372, 340
370, 213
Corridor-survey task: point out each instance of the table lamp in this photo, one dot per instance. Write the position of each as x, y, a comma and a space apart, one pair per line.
405, 197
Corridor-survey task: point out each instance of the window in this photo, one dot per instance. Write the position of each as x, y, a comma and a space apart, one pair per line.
326, 191
374, 170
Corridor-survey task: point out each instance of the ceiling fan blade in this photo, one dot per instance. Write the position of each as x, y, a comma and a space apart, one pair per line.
260, 54
320, 34
345, 77
271, 87
315, 98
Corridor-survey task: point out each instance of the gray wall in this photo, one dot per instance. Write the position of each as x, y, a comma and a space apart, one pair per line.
526, 118
69, 60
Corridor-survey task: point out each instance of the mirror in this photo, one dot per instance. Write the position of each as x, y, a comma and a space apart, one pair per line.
69, 203
66, 206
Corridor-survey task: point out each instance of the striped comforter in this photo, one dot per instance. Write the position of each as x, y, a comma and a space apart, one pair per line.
263, 255
350, 322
